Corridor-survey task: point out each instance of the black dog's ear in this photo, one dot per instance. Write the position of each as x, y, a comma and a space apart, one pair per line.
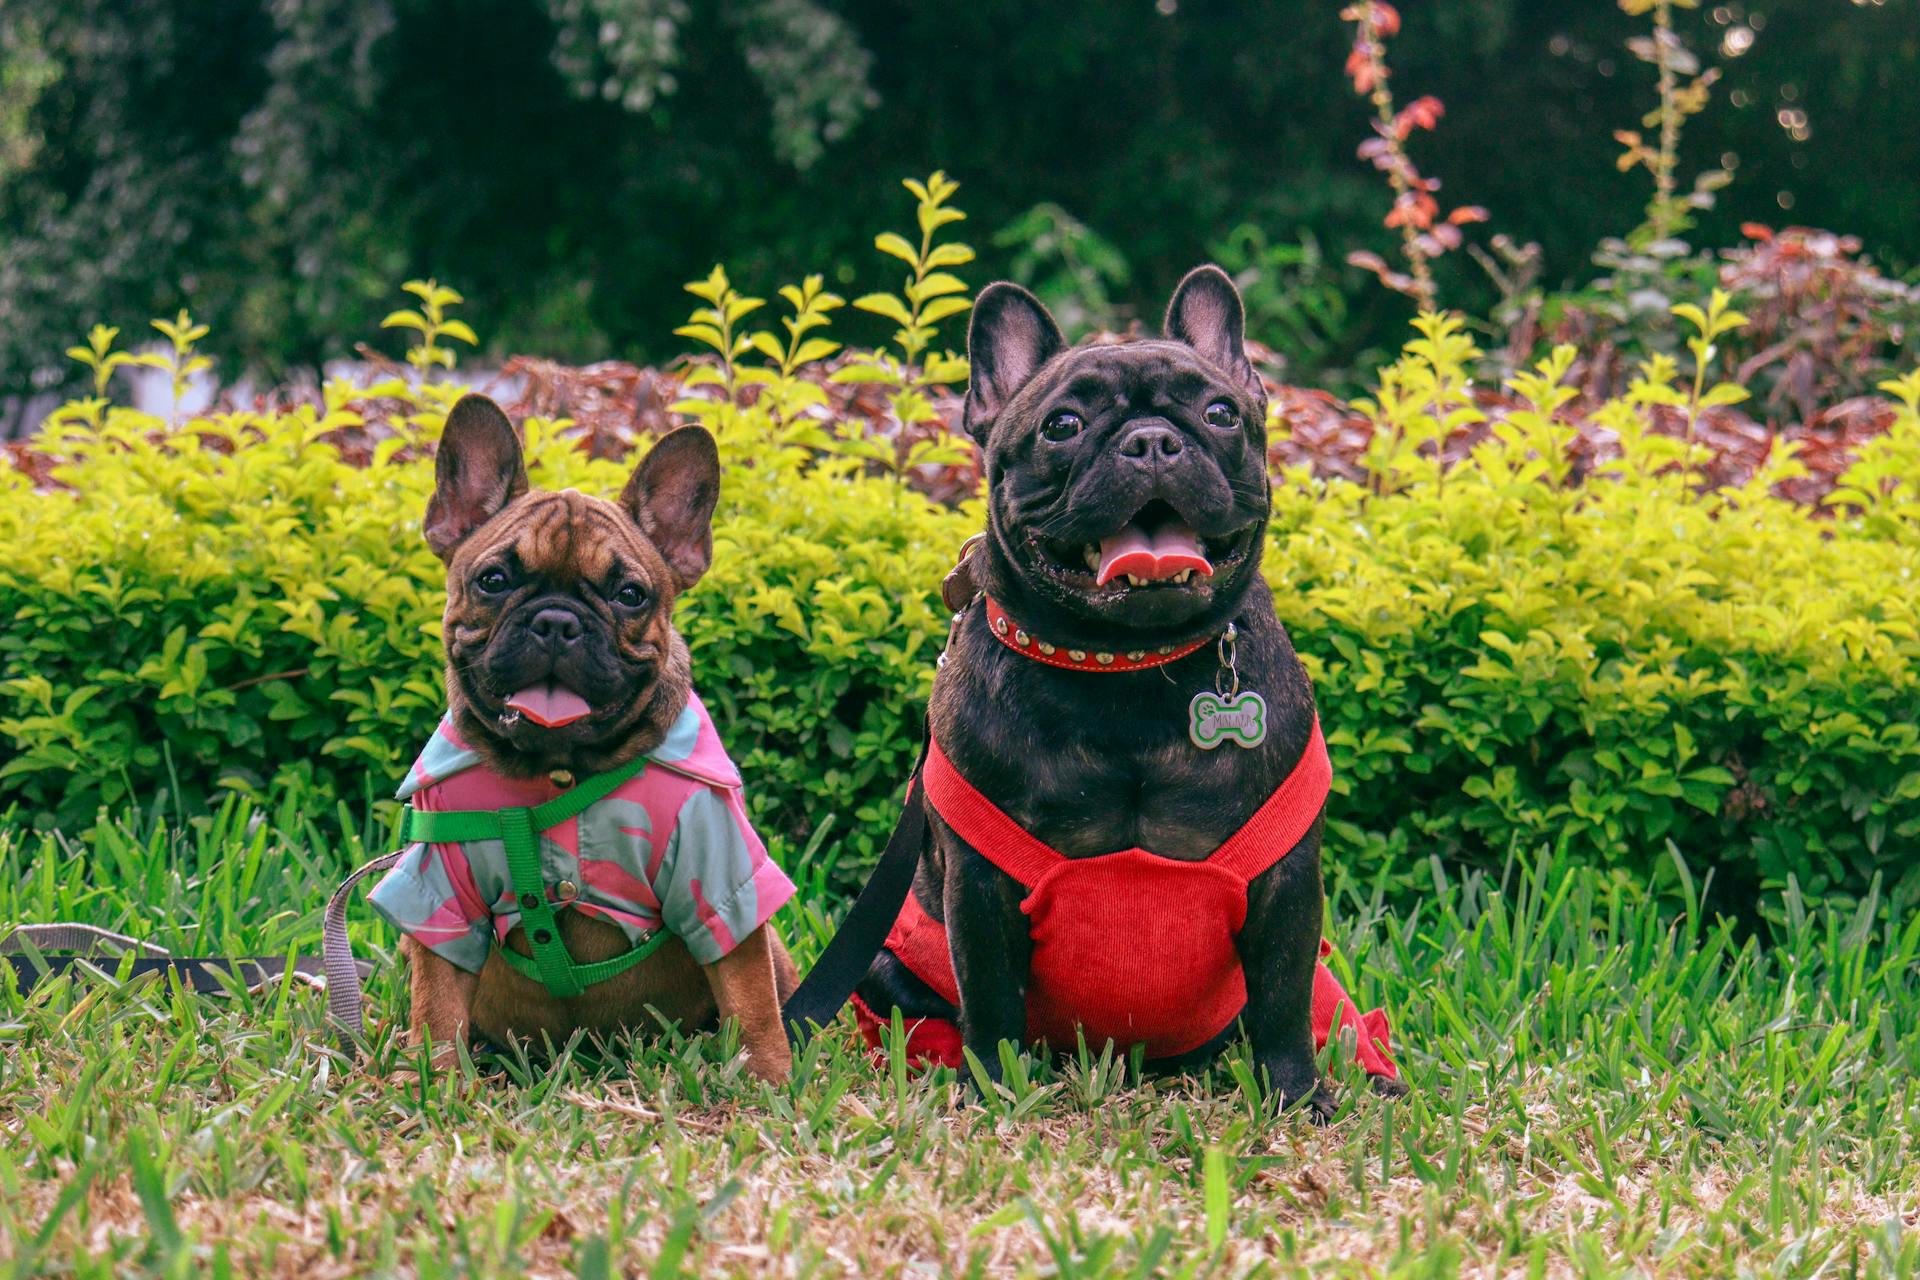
1009, 337
1206, 315
477, 471
672, 495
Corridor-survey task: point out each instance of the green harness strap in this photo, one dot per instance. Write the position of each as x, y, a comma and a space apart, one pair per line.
519, 829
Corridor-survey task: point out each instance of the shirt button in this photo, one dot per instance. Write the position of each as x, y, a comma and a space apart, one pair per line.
560, 778
566, 891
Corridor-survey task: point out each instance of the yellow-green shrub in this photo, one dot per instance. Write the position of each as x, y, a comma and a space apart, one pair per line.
233, 605
1503, 660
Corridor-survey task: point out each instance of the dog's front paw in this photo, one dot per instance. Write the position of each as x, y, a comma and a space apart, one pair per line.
1324, 1104
1388, 1088
770, 1067
445, 1062
1294, 1082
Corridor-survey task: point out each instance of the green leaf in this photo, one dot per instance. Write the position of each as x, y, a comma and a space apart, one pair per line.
945, 370
931, 219
1216, 1196
815, 349
890, 242
885, 304
937, 283
940, 308
953, 254
703, 333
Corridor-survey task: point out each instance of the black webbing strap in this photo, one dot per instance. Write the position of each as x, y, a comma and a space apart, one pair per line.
830, 983
206, 975
36, 951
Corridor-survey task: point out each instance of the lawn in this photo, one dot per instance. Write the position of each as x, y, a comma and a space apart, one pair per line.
1603, 1082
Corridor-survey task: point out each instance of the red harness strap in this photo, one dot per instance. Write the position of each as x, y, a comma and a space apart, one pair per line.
1128, 946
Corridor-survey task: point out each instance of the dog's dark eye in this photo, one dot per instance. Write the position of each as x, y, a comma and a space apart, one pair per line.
493, 581
1063, 425
1223, 415
632, 596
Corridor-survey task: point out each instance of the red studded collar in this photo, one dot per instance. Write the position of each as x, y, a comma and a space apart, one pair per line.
1023, 642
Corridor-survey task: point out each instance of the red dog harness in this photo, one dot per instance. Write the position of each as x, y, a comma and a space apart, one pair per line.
1131, 947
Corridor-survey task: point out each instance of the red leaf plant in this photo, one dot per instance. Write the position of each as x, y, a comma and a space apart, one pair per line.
1424, 233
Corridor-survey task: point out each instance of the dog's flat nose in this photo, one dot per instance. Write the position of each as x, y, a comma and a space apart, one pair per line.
1151, 442
560, 626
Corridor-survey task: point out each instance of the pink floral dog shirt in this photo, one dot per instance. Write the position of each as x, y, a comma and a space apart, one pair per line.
669, 848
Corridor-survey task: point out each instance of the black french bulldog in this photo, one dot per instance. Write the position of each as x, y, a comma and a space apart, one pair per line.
1128, 507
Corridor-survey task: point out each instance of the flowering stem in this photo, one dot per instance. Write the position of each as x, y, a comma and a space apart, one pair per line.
1382, 98
1668, 158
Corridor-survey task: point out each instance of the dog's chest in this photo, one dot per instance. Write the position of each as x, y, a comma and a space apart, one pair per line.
1086, 798
1177, 803
1091, 764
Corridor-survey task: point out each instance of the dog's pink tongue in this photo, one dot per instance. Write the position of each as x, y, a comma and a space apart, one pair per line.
550, 704
1171, 548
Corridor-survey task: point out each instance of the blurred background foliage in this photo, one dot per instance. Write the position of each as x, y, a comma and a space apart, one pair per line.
276, 164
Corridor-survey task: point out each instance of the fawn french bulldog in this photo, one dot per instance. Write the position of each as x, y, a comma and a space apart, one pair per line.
570, 693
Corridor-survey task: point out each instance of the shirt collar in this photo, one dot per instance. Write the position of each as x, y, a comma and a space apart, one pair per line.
692, 747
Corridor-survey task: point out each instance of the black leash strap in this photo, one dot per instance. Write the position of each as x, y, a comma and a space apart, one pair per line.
28, 949
206, 975
830, 983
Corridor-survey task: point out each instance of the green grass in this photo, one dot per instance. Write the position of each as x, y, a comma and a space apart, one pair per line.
1604, 1083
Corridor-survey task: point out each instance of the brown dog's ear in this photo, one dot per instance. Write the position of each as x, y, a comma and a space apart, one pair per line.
477, 472
1206, 315
1009, 337
671, 497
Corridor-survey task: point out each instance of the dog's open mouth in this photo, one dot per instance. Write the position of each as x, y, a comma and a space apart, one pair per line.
549, 704
1166, 550
1156, 550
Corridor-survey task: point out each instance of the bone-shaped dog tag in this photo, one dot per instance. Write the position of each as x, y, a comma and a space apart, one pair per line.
1214, 718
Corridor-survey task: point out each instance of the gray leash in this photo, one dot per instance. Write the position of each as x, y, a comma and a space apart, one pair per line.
85, 939
36, 951
345, 999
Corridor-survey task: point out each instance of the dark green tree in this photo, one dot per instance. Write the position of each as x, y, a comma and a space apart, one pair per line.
279, 165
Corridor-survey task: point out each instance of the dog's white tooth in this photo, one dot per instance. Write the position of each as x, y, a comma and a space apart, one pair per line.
1135, 580
1183, 575
1093, 557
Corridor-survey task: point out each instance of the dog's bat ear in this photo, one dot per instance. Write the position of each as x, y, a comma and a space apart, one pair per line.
1009, 337
671, 497
477, 471
1206, 315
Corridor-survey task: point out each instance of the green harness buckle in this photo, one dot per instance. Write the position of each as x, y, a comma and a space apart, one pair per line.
519, 829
